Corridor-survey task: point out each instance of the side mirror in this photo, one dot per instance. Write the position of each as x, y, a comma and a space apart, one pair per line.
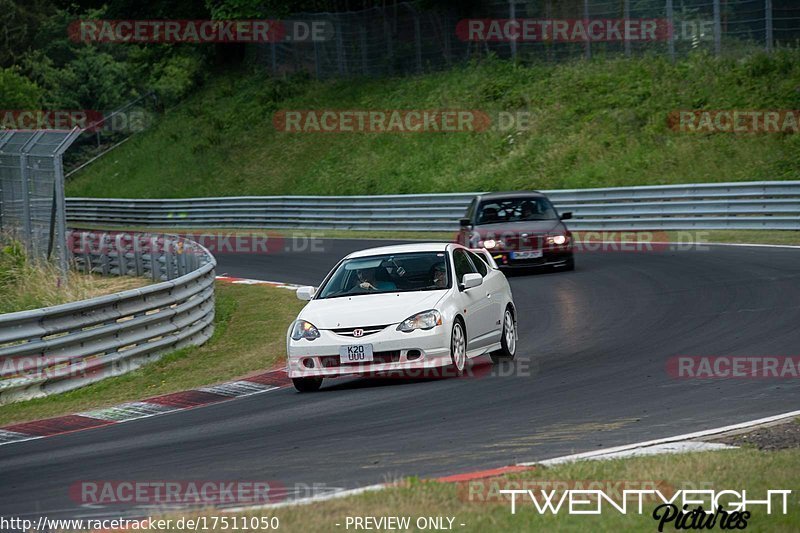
465, 222
306, 293
471, 280
566, 216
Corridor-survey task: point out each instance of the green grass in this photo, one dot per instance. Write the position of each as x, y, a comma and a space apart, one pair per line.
250, 329
26, 284
596, 123
748, 469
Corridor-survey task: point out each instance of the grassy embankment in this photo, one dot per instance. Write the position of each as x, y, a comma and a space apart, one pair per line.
594, 123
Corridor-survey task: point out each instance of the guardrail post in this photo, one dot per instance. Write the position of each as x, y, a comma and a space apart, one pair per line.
671, 37
768, 24
103, 251
364, 51
418, 41
60, 214
170, 260
120, 250
588, 45
387, 30
512, 14
717, 28
340, 55
626, 8
26, 204
316, 59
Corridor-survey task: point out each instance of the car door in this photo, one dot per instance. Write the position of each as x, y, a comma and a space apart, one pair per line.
493, 288
475, 306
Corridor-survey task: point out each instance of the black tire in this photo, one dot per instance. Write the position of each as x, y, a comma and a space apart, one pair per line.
307, 384
457, 359
508, 345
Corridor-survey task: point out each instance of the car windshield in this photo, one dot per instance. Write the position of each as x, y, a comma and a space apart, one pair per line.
515, 210
405, 272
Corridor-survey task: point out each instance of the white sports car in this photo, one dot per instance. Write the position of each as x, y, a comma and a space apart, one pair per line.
395, 308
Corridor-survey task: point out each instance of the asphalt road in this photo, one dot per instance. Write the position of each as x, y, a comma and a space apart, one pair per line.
590, 373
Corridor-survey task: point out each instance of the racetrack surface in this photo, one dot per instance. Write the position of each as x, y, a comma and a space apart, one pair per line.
590, 373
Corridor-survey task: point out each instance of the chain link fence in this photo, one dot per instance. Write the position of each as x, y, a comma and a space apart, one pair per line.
32, 206
404, 39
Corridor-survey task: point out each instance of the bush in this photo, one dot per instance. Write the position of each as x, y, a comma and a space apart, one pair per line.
17, 91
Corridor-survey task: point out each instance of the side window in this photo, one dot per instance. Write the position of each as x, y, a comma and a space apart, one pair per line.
462, 264
479, 263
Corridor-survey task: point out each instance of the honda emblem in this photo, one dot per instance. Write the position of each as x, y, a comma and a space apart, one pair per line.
358, 332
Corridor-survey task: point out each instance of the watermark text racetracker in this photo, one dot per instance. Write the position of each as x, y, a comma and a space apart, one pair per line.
44, 524
399, 120
130, 121
199, 31
600, 241
201, 493
216, 243
735, 121
734, 367
583, 30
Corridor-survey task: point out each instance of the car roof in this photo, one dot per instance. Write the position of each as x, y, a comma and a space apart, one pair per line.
402, 248
511, 194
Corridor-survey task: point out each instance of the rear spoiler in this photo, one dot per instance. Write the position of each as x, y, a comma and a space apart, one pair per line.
484, 254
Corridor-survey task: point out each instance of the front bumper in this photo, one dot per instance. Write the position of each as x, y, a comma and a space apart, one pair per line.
551, 257
394, 351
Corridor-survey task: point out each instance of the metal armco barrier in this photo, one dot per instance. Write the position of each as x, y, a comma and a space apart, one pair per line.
744, 205
63, 347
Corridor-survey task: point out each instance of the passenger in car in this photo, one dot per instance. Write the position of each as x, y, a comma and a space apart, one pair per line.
439, 276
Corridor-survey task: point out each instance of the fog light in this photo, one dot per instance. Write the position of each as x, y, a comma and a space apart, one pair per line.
308, 363
413, 354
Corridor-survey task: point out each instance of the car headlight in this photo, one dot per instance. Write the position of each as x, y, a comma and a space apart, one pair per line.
424, 320
304, 330
490, 243
557, 239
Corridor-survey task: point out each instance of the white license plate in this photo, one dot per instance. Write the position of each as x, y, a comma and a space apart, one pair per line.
356, 353
533, 254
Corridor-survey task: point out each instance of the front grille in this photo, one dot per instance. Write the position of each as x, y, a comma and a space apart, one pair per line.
366, 330
378, 358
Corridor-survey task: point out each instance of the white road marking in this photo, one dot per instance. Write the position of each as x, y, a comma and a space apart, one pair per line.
128, 411
237, 389
676, 438
12, 436
658, 449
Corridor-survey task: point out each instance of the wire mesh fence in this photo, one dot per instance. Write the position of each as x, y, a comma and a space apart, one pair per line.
404, 39
108, 130
32, 206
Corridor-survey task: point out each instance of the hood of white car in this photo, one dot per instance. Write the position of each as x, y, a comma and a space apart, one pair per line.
369, 309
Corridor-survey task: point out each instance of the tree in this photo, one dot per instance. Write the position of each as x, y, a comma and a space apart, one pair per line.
17, 91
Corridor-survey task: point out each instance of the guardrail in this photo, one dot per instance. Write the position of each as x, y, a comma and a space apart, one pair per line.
63, 347
746, 205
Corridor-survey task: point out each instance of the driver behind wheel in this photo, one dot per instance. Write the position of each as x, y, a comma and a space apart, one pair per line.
367, 281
